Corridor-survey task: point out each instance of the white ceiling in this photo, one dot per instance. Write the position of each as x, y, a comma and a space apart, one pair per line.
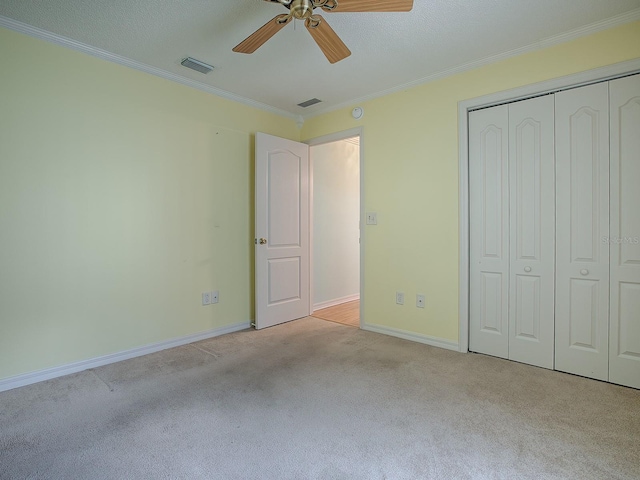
389, 50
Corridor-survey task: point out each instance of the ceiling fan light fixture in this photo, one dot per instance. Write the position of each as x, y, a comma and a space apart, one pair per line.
329, 42
196, 65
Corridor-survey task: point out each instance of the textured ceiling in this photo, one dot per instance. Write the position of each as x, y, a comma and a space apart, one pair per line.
389, 50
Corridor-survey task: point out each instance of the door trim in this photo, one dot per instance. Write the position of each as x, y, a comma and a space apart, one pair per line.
507, 96
335, 137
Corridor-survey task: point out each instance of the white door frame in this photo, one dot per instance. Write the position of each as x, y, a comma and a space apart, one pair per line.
464, 107
335, 137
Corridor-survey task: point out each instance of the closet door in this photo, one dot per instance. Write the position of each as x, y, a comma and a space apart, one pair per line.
532, 231
489, 231
582, 221
624, 343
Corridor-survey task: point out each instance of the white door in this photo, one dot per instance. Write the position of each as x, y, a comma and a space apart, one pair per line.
532, 229
624, 240
282, 230
489, 231
582, 221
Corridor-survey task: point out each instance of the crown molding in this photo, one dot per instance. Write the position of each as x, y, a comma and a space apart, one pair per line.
127, 62
631, 16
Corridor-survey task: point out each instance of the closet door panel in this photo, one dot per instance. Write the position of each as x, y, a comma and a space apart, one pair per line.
624, 341
489, 231
532, 232
582, 221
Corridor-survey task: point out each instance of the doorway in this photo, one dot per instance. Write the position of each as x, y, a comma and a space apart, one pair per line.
335, 169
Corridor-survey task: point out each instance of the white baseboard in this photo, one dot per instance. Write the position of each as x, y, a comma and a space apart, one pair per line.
336, 301
49, 373
414, 337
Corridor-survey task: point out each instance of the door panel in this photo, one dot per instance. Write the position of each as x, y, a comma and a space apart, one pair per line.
624, 342
582, 221
284, 280
284, 199
527, 302
489, 231
282, 220
532, 241
583, 319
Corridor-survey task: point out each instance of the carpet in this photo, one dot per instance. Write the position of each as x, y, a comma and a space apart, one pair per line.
317, 400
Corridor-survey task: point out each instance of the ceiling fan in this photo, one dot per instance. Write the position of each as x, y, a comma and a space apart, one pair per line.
328, 41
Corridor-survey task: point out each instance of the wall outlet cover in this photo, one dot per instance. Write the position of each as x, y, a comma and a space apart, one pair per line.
400, 298
206, 298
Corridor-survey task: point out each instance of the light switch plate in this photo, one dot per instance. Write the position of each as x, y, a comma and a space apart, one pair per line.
420, 301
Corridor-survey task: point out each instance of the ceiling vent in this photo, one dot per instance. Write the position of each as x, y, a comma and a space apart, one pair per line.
196, 65
308, 103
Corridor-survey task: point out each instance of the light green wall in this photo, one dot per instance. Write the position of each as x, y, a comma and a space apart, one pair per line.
411, 176
123, 196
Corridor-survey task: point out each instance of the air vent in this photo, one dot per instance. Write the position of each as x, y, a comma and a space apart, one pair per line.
308, 103
196, 65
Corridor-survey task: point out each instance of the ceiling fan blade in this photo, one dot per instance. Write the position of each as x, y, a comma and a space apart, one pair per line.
373, 6
264, 33
328, 40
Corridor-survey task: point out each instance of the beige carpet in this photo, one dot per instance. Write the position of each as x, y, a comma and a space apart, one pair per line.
315, 400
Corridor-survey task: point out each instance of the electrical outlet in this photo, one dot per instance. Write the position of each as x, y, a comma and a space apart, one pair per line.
206, 298
215, 296
400, 298
420, 301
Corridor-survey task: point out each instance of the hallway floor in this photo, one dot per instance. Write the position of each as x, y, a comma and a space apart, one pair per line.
346, 313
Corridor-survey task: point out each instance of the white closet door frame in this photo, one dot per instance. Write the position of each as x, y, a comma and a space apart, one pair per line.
464, 107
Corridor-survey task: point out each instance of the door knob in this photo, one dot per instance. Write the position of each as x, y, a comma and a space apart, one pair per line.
527, 269
263, 241
584, 271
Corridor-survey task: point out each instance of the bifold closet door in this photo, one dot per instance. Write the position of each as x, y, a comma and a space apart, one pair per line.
489, 231
532, 231
624, 239
582, 222
512, 231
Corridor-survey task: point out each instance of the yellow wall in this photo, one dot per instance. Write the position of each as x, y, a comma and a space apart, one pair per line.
123, 196
411, 176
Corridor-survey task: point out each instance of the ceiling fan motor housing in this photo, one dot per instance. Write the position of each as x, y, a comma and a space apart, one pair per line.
301, 9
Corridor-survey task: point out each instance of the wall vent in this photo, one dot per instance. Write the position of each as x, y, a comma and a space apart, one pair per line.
308, 103
196, 65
